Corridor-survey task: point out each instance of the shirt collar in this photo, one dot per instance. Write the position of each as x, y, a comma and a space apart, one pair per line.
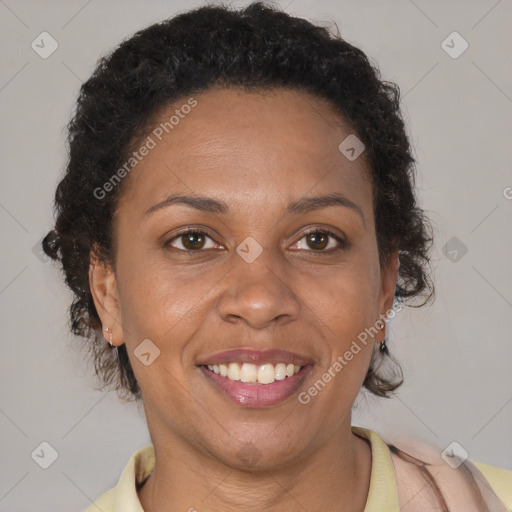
139, 467
383, 492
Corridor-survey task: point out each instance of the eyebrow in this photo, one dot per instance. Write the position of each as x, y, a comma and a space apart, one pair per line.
303, 205
308, 204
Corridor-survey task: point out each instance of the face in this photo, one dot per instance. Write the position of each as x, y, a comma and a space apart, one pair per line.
246, 240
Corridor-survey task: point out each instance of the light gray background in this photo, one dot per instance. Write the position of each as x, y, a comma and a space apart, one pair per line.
456, 354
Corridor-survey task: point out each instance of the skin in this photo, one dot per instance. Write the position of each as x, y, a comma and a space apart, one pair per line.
257, 153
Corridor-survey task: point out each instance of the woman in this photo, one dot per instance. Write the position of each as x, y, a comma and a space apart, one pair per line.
238, 221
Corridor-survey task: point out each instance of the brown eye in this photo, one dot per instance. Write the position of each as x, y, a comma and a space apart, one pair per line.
321, 241
191, 241
318, 240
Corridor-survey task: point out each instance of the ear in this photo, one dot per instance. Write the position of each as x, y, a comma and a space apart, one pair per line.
389, 276
102, 282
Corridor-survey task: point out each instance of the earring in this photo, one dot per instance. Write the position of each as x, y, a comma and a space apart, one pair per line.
107, 330
383, 347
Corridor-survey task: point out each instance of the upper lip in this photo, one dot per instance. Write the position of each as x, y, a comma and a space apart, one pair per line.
256, 357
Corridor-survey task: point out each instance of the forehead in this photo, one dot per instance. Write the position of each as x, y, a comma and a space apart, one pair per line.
248, 144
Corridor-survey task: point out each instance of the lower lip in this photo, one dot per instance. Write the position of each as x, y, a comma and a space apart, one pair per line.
254, 394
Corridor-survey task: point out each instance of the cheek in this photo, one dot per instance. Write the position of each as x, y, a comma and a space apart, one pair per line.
346, 301
346, 305
345, 311
159, 302
157, 307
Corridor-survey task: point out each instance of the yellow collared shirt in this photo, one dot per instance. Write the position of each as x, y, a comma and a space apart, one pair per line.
382, 495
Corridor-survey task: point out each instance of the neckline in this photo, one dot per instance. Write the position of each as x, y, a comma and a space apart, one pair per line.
382, 492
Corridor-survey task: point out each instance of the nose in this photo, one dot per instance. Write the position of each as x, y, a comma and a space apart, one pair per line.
256, 295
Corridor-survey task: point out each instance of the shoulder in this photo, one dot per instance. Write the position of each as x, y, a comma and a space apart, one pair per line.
499, 479
123, 497
462, 483
105, 503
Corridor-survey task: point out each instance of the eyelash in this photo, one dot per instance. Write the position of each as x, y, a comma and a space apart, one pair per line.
342, 244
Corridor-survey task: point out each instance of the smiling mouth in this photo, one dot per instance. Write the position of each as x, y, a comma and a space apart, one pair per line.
248, 373
256, 378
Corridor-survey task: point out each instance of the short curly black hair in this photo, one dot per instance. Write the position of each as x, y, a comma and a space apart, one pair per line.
257, 47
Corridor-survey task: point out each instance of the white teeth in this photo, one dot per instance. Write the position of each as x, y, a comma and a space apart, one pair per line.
248, 373
262, 374
280, 371
266, 374
233, 371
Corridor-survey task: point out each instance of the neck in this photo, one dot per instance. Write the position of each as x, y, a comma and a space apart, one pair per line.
334, 477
